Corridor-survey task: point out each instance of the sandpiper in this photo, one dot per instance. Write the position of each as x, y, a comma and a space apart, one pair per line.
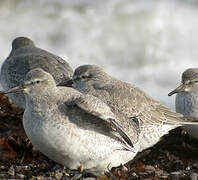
75, 129
155, 120
186, 101
24, 57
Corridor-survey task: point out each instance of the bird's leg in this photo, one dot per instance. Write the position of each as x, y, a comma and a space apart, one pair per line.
78, 174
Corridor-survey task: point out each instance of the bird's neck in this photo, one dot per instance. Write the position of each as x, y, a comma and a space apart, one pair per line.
41, 100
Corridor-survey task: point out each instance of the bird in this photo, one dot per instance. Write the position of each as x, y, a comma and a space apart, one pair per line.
24, 57
75, 129
154, 119
186, 101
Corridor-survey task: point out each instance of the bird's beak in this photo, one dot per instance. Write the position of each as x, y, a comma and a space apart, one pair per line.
14, 90
66, 84
181, 88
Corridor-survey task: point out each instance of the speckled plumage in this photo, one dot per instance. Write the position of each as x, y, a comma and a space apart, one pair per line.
24, 57
186, 101
155, 120
73, 128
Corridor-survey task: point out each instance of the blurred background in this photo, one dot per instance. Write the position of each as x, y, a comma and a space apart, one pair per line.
148, 43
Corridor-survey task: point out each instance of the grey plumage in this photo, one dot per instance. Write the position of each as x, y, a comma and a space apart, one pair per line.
74, 128
155, 120
24, 57
186, 101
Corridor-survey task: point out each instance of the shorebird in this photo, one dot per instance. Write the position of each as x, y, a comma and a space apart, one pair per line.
24, 57
155, 120
186, 101
75, 129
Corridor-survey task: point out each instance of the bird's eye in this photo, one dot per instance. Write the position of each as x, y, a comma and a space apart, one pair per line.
83, 77
37, 82
196, 81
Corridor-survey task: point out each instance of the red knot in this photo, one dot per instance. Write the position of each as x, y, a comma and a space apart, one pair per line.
155, 120
186, 101
24, 57
75, 129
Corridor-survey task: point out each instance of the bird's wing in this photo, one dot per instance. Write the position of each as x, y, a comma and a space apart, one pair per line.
134, 102
45, 60
97, 108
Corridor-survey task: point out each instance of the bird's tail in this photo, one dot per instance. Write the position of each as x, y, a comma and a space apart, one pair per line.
177, 118
190, 120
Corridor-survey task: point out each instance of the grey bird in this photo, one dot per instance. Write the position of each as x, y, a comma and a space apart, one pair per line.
75, 129
24, 57
186, 101
155, 120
